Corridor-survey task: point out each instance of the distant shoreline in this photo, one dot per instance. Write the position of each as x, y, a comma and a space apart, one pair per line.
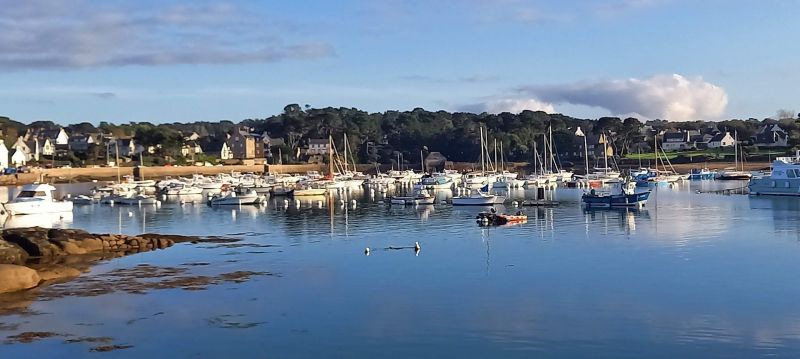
75, 175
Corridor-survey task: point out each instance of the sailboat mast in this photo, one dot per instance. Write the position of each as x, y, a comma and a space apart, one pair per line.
483, 167
330, 157
586, 154
736, 150
346, 166
535, 158
141, 167
550, 144
655, 149
116, 145
494, 166
502, 158
421, 161
605, 152
545, 162
639, 152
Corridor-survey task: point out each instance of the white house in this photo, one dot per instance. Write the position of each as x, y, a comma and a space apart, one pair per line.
676, 141
3, 154
47, 148
317, 147
127, 147
58, 137
22, 153
191, 147
225, 153
29, 149
721, 140
18, 158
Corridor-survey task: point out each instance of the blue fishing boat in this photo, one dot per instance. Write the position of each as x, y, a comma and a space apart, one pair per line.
607, 200
702, 174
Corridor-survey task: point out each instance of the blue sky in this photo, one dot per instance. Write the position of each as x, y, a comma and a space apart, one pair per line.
166, 61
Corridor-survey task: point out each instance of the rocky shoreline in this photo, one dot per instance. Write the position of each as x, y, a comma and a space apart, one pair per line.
32, 256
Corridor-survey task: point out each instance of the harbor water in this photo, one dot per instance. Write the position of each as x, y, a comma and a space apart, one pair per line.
692, 274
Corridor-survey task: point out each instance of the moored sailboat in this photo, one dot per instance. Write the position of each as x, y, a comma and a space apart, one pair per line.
737, 172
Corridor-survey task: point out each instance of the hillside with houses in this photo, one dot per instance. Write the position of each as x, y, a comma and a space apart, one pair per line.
300, 135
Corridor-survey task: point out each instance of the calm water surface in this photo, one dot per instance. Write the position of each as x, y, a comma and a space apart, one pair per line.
691, 275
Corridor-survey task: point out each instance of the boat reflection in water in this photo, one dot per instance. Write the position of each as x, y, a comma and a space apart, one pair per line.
625, 217
186, 198
424, 212
243, 210
303, 202
785, 211
46, 220
443, 195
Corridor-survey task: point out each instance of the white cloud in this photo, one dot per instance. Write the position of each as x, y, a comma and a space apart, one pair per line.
84, 34
669, 97
509, 105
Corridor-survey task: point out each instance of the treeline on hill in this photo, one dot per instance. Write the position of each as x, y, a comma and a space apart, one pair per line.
380, 137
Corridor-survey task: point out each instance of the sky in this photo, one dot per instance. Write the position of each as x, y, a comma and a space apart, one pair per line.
72, 61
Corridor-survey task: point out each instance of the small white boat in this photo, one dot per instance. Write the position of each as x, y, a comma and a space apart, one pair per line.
36, 199
179, 189
434, 182
421, 197
210, 185
476, 179
233, 199
382, 179
133, 200
507, 182
605, 174
145, 184
82, 199
478, 198
454, 175
733, 174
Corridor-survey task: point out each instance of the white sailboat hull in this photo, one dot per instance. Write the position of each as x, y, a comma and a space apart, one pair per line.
184, 191
136, 200
489, 200
235, 200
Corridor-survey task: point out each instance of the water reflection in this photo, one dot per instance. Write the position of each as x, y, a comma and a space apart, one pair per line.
625, 218
570, 282
785, 212
46, 220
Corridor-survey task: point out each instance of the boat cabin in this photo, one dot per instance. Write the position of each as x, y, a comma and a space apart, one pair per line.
35, 192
